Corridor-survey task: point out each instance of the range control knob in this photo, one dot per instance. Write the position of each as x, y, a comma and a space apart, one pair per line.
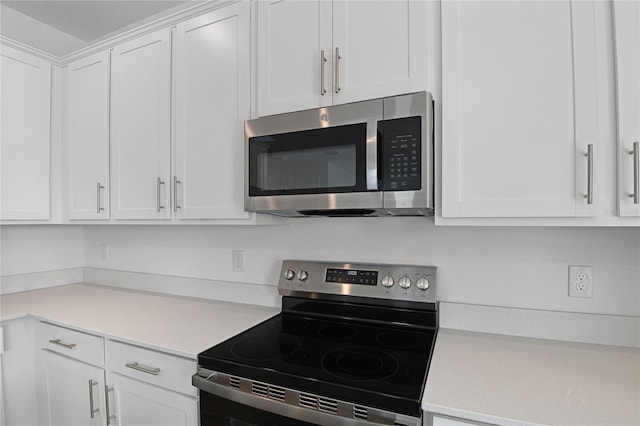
404, 282
289, 274
387, 281
303, 275
423, 283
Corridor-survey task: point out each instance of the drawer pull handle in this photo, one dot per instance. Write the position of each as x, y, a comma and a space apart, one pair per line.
92, 410
143, 368
59, 342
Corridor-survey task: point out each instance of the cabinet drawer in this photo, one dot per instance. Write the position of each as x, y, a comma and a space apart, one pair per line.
76, 344
157, 368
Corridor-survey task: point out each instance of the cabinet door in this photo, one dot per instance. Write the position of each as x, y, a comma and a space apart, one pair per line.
87, 137
627, 48
382, 47
212, 102
135, 403
74, 392
519, 108
292, 35
141, 117
25, 135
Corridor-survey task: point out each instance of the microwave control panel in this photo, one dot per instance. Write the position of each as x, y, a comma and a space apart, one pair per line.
399, 141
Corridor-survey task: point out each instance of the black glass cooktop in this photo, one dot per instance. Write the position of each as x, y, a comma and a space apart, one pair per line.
377, 365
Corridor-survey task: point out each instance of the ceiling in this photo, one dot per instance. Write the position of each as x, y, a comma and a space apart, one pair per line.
78, 23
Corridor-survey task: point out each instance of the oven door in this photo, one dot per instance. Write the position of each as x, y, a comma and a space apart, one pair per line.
316, 159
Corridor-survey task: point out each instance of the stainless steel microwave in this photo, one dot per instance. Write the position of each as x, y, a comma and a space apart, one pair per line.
370, 158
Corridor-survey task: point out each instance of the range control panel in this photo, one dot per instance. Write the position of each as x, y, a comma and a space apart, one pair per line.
384, 281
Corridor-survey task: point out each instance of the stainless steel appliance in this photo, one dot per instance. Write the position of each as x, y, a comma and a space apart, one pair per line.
351, 346
371, 158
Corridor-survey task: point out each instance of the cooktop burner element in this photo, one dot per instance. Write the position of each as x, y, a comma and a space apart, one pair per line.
359, 364
349, 337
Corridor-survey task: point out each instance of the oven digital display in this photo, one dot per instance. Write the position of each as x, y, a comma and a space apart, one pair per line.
351, 276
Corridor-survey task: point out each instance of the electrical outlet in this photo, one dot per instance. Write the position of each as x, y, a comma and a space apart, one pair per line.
580, 281
238, 260
104, 252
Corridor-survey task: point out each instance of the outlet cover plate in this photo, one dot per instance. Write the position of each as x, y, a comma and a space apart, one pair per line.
580, 281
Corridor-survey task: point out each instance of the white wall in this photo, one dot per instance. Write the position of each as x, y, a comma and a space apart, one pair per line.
37, 256
515, 267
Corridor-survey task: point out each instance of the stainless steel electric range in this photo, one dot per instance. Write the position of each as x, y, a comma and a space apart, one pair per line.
351, 346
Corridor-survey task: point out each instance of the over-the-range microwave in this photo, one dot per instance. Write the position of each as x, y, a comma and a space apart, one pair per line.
370, 158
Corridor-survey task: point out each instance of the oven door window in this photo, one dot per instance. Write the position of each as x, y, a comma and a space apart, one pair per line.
318, 161
217, 411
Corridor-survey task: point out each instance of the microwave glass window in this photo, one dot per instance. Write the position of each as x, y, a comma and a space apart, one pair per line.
329, 167
312, 161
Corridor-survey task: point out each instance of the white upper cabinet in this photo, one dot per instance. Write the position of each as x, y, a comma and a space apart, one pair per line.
319, 53
212, 101
381, 49
86, 137
140, 127
519, 109
26, 133
293, 38
626, 24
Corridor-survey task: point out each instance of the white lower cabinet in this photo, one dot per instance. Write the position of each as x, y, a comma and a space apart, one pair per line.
18, 376
136, 403
74, 391
148, 387
450, 421
85, 380
72, 373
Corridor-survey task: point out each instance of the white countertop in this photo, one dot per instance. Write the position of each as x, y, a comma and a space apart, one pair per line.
181, 326
509, 380
481, 377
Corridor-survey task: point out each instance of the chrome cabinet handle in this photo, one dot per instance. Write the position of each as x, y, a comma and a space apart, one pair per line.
159, 205
98, 188
59, 342
110, 417
323, 60
338, 57
636, 178
176, 206
143, 368
589, 156
92, 410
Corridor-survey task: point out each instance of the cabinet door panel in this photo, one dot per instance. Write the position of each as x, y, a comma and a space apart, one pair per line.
627, 48
141, 117
291, 35
25, 146
87, 137
67, 390
212, 102
382, 48
139, 404
519, 108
